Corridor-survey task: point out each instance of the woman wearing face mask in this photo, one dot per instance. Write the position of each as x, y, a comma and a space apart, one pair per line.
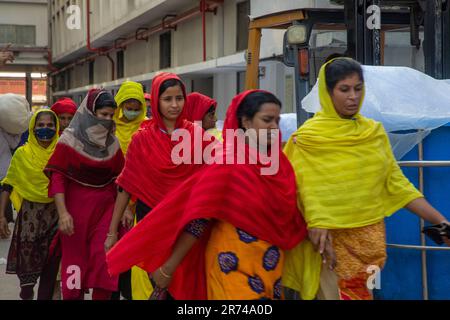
203, 108
253, 218
27, 187
82, 173
150, 172
131, 112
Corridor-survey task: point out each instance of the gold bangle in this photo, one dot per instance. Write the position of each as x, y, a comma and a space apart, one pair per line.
165, 275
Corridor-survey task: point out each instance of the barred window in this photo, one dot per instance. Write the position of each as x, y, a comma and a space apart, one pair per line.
18, 35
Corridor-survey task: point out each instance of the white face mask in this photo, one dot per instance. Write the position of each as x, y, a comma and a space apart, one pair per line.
131, 115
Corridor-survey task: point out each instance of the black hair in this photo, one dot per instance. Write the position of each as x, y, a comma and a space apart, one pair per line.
105, 99
252, 103
47, 112
211, 109
169, 83
340, 69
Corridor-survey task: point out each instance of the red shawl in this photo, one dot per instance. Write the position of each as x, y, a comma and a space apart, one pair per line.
197, 105
264, 206
149, 173
88, 152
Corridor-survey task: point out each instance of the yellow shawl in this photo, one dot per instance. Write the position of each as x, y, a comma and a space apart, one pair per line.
346, 174
125, 129
25, 173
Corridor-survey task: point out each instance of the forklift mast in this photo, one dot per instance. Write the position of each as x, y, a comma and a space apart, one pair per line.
365, 44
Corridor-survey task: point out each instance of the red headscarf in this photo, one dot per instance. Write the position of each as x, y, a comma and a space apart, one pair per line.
264, 206
64, 105
149, 172
197, 105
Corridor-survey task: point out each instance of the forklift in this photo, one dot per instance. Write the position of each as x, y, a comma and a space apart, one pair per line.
364, 44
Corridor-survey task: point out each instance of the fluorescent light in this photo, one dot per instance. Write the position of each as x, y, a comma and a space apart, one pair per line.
34, 75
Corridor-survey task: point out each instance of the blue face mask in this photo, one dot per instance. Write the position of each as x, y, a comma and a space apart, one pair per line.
44, 133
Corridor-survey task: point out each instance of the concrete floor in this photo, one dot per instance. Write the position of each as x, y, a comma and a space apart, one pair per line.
9, 284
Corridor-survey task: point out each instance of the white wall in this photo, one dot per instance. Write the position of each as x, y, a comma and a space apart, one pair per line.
27, 14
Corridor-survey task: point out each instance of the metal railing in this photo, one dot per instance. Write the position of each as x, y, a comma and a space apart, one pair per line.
420, 164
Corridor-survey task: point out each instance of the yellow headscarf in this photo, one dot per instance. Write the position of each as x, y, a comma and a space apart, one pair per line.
346, 174
25, 173
125, 130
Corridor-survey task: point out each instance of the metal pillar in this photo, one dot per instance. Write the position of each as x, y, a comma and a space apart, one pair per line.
423, 242
363, 44
29, 88
446, 39
433, 48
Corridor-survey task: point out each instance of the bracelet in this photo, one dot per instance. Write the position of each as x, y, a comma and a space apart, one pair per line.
165, 275
110, 235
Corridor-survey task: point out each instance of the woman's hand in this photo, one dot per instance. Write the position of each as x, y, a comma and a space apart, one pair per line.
128, 218
4, 229
66, 224
319, 238
110, 241
162, 277
444, 238
329, 256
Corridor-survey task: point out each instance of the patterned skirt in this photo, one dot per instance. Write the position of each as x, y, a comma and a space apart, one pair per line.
241, 267
34, 230
359, 253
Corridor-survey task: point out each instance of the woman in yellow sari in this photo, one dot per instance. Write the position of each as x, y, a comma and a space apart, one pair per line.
131, 112
348, 182
37, 220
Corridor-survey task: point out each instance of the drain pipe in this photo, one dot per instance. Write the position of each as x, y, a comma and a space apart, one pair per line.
88, 28
100, 51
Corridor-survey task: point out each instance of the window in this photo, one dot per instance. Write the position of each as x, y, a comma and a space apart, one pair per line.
243, 11
120, 65
91, 72
19, 35
165, 50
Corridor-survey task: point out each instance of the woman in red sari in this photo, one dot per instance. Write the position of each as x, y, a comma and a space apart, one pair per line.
150, 172
222, 233
82, 173
203, 108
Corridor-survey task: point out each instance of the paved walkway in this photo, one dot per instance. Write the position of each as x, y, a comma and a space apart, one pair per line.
9, 284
